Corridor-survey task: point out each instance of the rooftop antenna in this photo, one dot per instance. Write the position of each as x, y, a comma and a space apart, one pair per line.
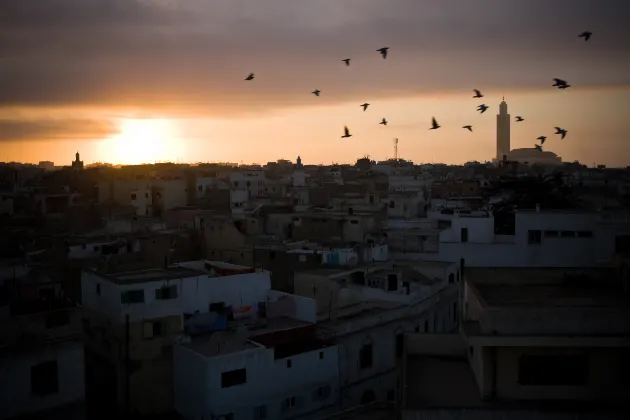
396, 149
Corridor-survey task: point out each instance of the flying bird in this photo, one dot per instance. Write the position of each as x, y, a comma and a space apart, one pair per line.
316, 92
383, 52
519, 119
347, 61
383, 121
250, 77
434, 124
561, 131
560, 84
539, 147
477, 94
365, 106
542, 139
346, 133
468, 127
586, 35
482, 108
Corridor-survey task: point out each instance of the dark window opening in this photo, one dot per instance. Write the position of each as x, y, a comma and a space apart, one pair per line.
358, 277
289, 363
365, 356
166, 292
567, 234
57, 319
426, 326
392, 282
585, 234
133, 196
132, 296
98, 289
391, 395
399, 344
534, 237
553, 370
321, 355
551, 234
368, 397
45, 378
233, 378
622, 243
272, 255
451, 278
464, 235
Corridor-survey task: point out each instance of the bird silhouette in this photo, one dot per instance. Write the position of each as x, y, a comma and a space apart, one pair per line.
383, 52
434, 124
347, 61
542, 139
539, 147
468, 127
560, 84
383, 121
250, 77
346, 133
561, 131
316, 92
586, 35
519, 119
365, 106
477, 94
482, 108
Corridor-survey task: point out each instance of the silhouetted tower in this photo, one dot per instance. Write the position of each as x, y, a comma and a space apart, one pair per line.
396, 149
503, 131
298, 162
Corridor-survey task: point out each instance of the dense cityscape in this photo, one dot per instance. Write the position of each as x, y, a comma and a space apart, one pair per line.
375, 290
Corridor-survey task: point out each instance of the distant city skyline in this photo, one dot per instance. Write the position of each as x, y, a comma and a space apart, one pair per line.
132, 82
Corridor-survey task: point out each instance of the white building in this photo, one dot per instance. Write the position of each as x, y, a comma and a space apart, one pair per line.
540, 239
146, 309
366, 311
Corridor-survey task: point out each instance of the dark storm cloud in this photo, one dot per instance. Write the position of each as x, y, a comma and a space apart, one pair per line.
54, 129
190, 56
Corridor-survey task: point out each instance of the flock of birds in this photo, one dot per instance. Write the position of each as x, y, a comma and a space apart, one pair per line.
558, 83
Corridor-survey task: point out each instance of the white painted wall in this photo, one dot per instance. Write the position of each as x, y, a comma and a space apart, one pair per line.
269, 382
15, 381
306, 308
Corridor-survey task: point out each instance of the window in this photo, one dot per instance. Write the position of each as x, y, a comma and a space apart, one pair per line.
585, 234
152, 329
166, 292
399, 344
426, 326
289, 363
391, 395
133, 196
365, 356
57, 319
289, 403
272, 255
392, 204
553, 370
464, 235
567, 234
321, 355
98, 289
551, 234
233, 378
132, 296
471, 351
45, 378
321, 393
392, 282
534, 237
146, 195
260, 412
451, 278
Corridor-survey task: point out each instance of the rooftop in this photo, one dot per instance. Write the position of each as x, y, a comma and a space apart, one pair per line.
239, 336
556, 288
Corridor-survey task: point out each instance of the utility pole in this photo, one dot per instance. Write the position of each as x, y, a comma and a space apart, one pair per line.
396, 149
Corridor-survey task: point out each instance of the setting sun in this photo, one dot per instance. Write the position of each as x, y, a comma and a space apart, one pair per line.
142, 141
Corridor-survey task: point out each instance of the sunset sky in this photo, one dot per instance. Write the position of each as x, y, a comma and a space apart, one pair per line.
131, 81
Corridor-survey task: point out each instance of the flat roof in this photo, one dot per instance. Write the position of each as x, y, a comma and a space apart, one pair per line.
546, 287
237, 337
120, 275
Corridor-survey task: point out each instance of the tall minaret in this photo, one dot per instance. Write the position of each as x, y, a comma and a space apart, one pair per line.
503, 131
